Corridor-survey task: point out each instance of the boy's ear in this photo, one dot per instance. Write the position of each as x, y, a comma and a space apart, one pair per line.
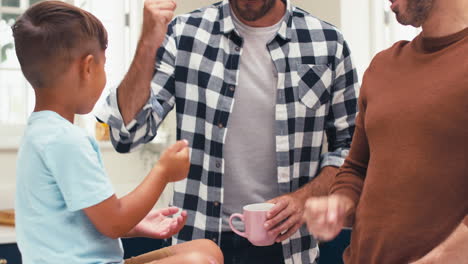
86, 66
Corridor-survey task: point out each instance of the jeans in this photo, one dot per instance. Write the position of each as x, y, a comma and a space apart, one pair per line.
332, 252
238, 250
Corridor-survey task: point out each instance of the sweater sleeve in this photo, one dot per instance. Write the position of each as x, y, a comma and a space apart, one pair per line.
349, 180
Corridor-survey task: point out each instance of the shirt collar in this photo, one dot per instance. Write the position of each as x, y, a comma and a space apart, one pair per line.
226, 23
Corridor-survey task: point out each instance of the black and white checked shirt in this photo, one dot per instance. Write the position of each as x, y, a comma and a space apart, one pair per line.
197, 71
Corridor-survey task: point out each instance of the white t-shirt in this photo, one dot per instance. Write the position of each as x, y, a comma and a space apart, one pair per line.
250, 148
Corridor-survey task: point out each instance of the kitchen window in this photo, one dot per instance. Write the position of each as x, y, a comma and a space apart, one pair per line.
16, 97
122, 19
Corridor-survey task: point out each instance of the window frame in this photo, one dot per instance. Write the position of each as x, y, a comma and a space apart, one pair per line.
11, 133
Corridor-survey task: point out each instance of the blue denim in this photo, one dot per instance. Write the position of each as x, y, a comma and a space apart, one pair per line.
238, 250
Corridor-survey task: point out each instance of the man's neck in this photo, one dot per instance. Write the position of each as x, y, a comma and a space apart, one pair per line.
446, 18
271, 18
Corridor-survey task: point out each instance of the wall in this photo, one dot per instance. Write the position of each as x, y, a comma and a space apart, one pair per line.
325, 9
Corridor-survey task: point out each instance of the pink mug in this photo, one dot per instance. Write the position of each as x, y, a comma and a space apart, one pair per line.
254, 217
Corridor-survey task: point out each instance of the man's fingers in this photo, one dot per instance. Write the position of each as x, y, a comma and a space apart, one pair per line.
316, 208
273, 201
333, 212
320, 219
317, 218
150, 3
273, 222
164, 5
290, 232
279, 207
162, 11
329, 222
289, 223
166, 16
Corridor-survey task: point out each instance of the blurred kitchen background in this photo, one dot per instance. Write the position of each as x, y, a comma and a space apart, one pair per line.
367, 25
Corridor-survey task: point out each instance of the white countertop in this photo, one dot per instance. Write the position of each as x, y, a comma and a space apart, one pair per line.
7, 235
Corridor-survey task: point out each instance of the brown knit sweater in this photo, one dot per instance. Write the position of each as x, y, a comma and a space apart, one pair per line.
408, 164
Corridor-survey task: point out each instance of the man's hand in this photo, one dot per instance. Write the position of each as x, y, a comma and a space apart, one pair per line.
157, 224
156, 15
326, 216
285, 218
134, 91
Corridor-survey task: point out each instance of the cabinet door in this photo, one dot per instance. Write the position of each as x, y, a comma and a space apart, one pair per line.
10, 253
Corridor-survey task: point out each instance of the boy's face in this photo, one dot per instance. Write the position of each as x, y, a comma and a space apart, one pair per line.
96, 83
101, 78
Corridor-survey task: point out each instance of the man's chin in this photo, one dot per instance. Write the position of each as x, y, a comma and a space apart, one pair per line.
408, 22
250, 16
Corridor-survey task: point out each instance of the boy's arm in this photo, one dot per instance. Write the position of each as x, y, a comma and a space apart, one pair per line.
116, 217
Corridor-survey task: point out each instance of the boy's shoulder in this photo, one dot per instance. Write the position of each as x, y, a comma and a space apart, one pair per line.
48, 131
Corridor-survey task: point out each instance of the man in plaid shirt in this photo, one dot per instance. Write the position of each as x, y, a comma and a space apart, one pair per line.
256, 86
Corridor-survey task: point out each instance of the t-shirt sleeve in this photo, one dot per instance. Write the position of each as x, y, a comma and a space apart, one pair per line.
74, 161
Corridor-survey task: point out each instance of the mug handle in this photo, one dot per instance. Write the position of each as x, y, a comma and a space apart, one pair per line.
241, 217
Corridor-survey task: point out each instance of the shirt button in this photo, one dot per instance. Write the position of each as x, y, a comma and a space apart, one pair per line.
232, 88
237, 49
220, 125
218, 164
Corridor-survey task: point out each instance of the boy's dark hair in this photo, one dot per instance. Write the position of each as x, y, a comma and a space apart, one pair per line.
52, 34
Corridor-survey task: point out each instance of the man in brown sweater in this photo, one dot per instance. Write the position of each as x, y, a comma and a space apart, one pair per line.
405, 181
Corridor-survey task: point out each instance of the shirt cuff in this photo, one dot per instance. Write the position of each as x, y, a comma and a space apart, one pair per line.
335, 159
110, 114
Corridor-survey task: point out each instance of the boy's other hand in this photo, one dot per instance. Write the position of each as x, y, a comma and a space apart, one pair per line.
174, 163
159, 225
326, 216
156, 15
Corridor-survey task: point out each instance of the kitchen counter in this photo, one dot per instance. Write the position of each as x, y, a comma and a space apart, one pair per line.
7, 235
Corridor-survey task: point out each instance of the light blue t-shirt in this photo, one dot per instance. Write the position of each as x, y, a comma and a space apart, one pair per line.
60, 173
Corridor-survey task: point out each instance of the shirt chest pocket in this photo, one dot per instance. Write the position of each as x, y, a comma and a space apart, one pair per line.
314, 85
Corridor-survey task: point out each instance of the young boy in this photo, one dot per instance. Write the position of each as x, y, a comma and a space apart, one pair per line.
66, 209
